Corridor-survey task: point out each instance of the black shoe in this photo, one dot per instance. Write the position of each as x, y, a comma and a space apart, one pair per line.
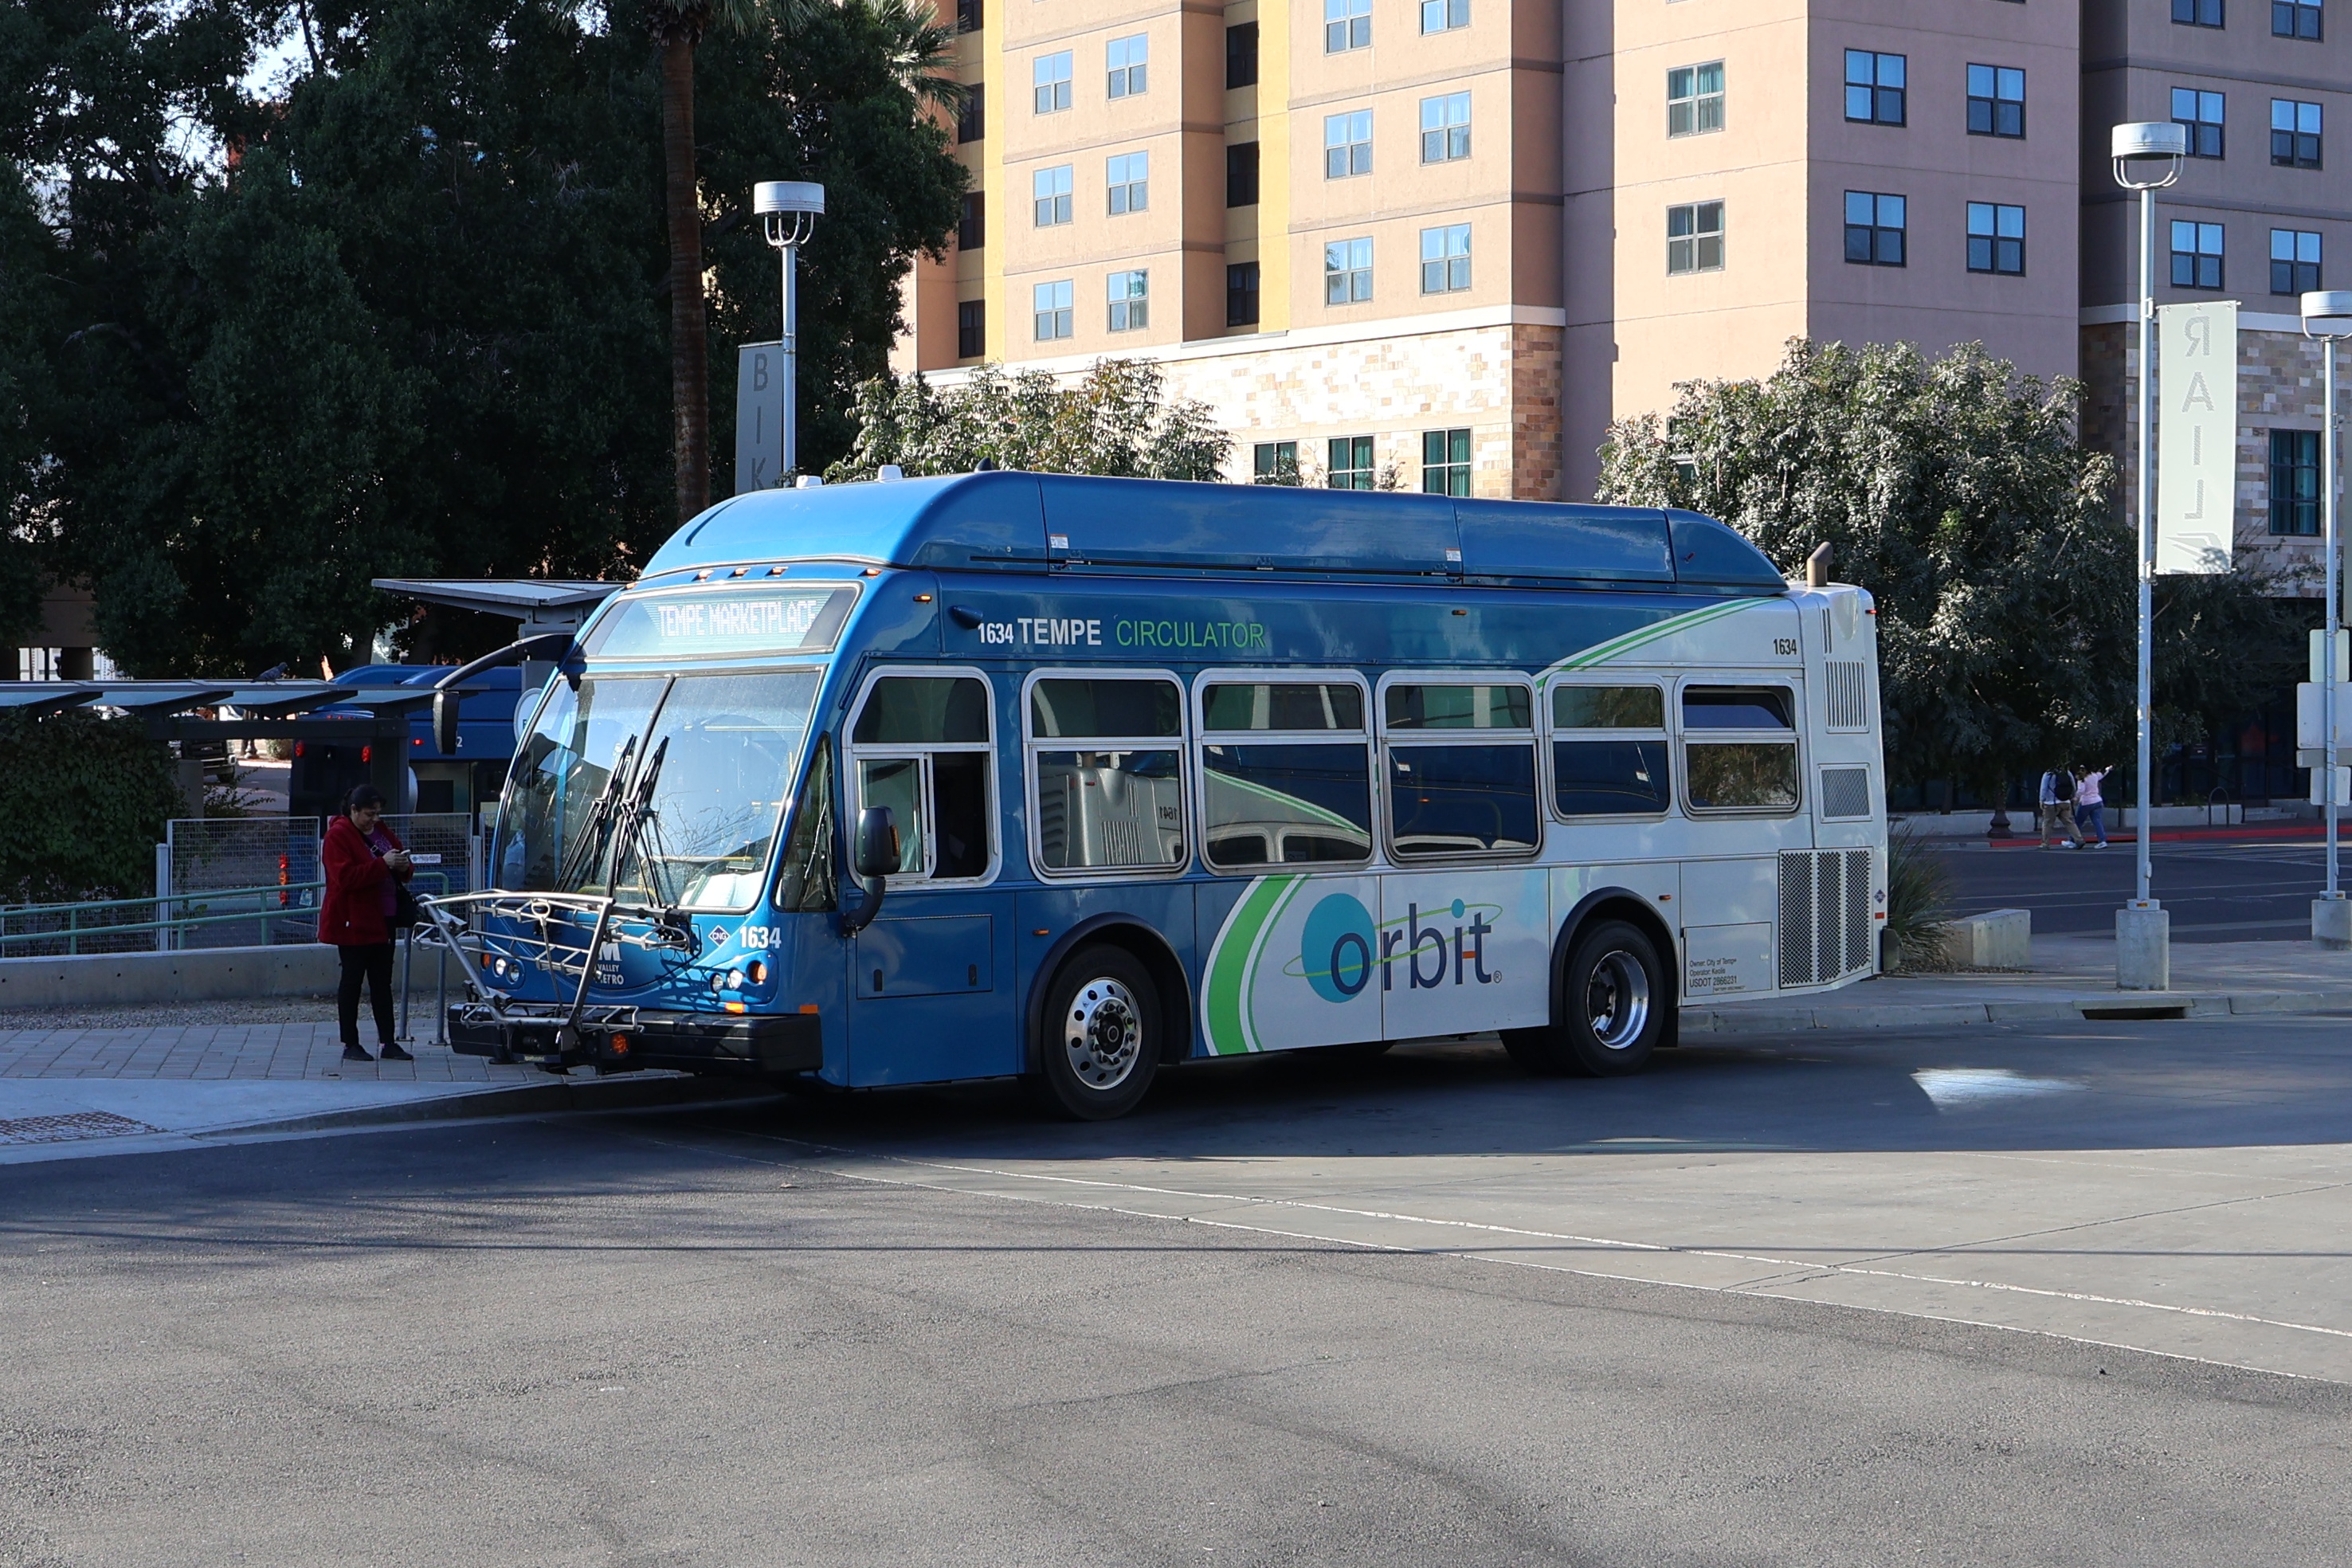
394, 1053
356, 1054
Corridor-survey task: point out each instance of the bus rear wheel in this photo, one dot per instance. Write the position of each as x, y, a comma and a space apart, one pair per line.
1101, 1044
1612, 1013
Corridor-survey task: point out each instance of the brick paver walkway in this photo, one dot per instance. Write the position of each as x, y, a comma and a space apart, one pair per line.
271, 1050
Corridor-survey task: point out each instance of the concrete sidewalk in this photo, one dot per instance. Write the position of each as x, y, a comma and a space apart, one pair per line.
2072, 977
133, 1078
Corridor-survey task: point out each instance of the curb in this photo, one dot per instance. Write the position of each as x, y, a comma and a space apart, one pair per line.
529, 1099
2110, 1004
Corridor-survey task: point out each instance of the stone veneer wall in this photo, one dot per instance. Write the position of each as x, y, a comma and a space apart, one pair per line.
1502, 381
2280, 377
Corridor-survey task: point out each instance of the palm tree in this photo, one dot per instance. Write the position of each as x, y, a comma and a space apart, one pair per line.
921, 50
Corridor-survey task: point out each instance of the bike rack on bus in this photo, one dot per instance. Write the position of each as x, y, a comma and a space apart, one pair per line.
458, 924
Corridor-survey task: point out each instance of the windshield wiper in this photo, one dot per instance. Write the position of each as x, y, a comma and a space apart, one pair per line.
587, 851
635, 818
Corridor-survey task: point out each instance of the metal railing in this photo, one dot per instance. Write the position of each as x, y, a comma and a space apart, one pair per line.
94, 927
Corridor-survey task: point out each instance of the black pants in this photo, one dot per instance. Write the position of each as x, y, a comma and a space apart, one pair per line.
375, 962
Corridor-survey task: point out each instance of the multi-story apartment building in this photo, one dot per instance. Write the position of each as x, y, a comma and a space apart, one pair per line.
2256, 217
1338, 223
1445, 243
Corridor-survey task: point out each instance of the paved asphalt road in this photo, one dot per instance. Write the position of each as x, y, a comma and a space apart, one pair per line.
933, 1329
2256, 889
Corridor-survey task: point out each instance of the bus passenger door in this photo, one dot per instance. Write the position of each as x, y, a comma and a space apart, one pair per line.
927, 979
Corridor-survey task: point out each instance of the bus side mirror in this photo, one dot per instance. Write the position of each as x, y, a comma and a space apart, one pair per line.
445, 722
874, 856
878, 843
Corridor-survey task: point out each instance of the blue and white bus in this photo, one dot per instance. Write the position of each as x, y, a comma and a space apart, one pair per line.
1072, 779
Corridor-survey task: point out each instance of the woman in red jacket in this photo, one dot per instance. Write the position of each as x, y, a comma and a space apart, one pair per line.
364, 864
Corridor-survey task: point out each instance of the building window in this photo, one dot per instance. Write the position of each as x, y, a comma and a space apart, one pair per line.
1130, 176
1350, 468
2196, 254
1346, 271
1051, 75
2294, 261
2295, 18
1996, 102
1445, 462
1445, 128
972, 228
1274, 463
2200, 114
1445, 259
972, 328
967, 15
1996, 239
1443, 15
970, 123
1346, 144
2295, 133
2197, 13
1875, 224
2295, 482
1241, 294
1053, 303
1130, 303
1241, 174
1347, 24
1694, 100
1051, 189
1874, 92
1694, 237
1127, 59
1241, 55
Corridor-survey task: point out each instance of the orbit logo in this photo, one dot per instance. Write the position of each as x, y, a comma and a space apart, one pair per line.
1341, 945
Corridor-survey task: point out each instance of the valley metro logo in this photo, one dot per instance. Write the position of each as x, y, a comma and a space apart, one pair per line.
1341, 945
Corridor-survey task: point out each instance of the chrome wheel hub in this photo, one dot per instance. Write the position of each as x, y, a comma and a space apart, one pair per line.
1103, 1032
1617, 1000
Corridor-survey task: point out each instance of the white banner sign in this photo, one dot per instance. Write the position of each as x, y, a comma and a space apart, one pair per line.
2196, 436
763, 390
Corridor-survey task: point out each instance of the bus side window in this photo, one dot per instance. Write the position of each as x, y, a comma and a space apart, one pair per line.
1118, 801
1740, 748
1286, 773
1609, 750
1461, 767
806, 883
925, 750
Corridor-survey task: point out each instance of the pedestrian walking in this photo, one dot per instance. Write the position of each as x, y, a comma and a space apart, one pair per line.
365, 868
2090, 812
2057, 813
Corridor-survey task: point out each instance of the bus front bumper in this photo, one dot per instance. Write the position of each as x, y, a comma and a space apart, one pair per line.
627, 1039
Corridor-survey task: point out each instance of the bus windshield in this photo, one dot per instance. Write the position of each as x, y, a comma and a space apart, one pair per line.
657, 789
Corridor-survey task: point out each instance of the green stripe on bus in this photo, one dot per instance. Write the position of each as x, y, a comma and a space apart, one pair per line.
1229, 963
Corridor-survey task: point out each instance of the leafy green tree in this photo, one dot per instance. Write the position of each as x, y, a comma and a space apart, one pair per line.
418, 324
1957, 493
1113, 422
848, 95
83, 801
913, 55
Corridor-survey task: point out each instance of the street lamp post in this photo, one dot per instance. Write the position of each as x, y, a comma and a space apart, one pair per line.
2147, 157
2327, 316
789, 209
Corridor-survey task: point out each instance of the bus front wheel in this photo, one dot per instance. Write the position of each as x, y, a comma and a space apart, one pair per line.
1613, 1012
1101, 1045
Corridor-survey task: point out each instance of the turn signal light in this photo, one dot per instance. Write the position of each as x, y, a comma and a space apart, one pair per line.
734, 1006
755, 972
620, 1045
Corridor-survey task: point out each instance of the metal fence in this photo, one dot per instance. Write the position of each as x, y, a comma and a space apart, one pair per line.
208, 866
